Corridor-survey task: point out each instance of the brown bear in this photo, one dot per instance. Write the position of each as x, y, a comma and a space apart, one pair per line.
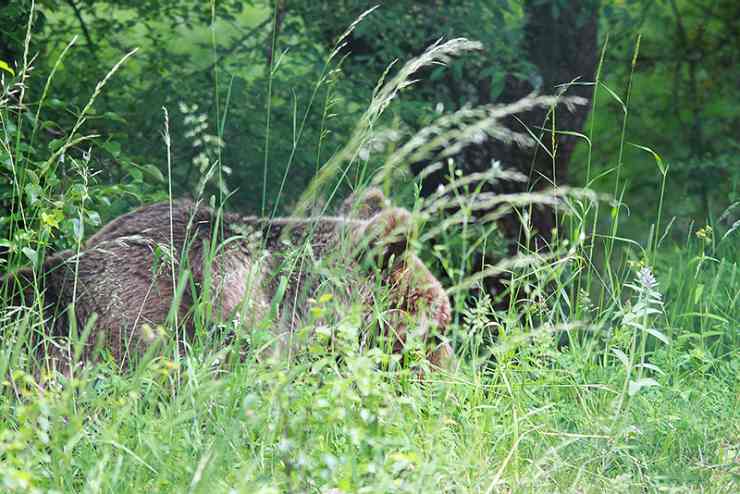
156, 264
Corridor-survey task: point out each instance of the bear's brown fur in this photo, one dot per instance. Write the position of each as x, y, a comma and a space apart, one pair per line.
129, 272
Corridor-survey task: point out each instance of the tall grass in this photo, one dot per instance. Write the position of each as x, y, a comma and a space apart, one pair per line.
614, 371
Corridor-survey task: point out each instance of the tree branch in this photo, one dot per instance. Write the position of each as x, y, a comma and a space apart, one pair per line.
238, 44
85, 32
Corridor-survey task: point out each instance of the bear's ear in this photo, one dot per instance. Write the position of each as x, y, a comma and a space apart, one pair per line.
384, 236
363, 204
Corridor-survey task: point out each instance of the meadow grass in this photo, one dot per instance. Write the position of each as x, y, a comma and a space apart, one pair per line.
534, 418
614, 369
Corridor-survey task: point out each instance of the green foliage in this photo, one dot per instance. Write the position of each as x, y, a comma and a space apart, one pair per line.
541, 418
613, 368
406, 27
182, 64
685, 82
47, 189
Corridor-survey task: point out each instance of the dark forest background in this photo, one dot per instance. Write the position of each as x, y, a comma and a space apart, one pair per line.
247, 86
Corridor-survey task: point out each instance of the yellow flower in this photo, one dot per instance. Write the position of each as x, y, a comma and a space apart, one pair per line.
51, 220
705, 233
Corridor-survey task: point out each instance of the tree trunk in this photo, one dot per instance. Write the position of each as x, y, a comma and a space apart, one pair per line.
562, 46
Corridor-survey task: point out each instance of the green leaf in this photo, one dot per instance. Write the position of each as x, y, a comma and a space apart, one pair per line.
621, 356
33, 192
636, 386
659, 335
658, 160
153, 172
698, 292
4, 66
31, 254
115, 117
652, 367
112, 147
77, 229
55, 144
93, 217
